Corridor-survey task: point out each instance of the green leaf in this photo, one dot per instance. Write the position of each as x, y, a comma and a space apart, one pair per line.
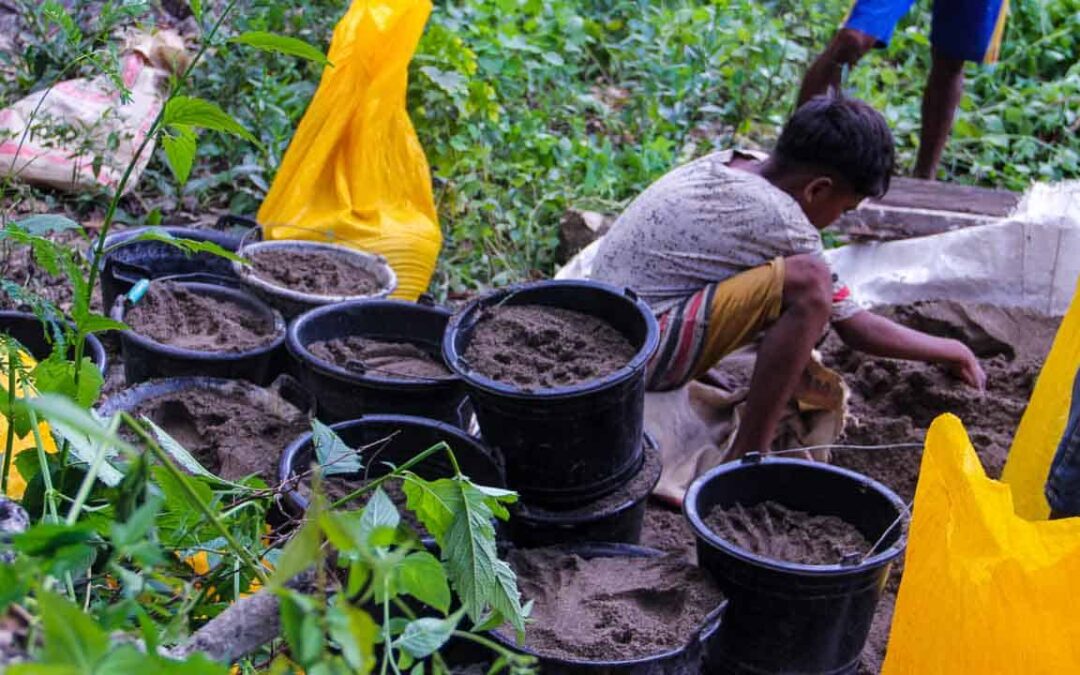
13, 586
378, 518
92, 322
423, 637
189, 246
333, 455
45, 539
137, 527
184, 459
85, 450
186, 111
422, 576
299, 554
47, 223
60, 410
341, 529
449, 81
354, 632
196, 9
300, 626
282, 44
56, 375
179, 144
71, 636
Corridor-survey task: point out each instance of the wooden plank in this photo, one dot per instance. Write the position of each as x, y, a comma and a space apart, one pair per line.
938, 196
873, 222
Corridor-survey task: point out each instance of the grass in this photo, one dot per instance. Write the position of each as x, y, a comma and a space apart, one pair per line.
528, 107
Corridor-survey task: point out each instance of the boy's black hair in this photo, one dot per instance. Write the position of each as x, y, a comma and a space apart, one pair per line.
841, 135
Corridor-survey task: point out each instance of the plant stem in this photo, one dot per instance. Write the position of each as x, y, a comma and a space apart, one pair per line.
9, 443
519, 659
396, 472
194, 498
91, 476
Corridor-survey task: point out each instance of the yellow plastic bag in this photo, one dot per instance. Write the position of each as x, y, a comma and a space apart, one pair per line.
355, 172
16, 484
1044, 421
984, 590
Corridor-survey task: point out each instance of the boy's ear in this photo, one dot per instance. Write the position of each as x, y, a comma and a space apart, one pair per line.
816, 189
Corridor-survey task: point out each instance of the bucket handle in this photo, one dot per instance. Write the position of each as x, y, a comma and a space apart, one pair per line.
632, 294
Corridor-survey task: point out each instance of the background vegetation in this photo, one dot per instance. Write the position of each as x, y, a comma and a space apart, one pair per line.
527, 107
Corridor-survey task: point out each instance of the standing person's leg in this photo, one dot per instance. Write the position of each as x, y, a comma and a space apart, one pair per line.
870, 23
964, 30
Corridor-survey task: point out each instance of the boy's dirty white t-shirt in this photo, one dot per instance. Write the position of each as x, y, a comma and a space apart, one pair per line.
703, 223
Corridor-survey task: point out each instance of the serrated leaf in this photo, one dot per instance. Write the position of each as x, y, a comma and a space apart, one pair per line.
72, 637
333, 455
354, 631
299, 554
422, 576
379, 516
282, 44
179, 144
56, 375
47, 223
423, 637
185, 111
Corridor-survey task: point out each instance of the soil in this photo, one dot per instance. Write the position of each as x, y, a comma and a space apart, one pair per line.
772, 530
314, 272
538, 347
233, 433
668, 530
402, 360
172, 315
611, 608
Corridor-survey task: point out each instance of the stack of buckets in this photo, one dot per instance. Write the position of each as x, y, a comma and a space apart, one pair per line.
569, 452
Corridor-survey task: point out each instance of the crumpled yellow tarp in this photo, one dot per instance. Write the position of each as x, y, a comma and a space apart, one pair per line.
1044, 421
984, 590
16, 484
354, 172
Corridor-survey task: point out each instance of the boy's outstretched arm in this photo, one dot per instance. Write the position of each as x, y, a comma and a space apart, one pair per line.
878, 336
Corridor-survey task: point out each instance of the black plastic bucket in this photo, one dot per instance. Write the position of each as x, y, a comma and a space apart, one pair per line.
126, 264
34, 334
685, 660
786, 617
616, 518
145, 359
343, 394
570, 445
408, 436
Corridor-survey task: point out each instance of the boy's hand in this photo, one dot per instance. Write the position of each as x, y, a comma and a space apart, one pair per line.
964, 365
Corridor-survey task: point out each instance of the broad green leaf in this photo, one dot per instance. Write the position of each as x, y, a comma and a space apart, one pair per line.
196, 9
282, 44
177, 499
47, 223
378, 517
423, 637
432, 508
333, 455
43, 669
422, 576
354, 631
135, 528
189, 246
179, 144
72, 637
92, 322
342, 530
299, 554
13, 586
300, 626
359, 575
186, 111
45, 539
56, 375
449, 81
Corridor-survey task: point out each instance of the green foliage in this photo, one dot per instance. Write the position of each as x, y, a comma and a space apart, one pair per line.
333, 455
281, 44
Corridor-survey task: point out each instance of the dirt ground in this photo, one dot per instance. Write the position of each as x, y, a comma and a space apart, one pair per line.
895, 402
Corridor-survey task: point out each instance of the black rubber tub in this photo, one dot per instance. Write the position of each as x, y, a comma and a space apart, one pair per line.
786, 617
37, 337
567, 446
344, 394
615, 518
405, 438
146, 359
685, 660
126, 264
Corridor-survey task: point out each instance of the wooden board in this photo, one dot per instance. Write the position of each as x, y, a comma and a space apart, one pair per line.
913, 193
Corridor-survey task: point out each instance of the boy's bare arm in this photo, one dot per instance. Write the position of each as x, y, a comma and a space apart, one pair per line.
878, 336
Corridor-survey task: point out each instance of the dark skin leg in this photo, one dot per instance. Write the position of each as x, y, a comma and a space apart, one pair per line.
846, 48
944, 89
785, 351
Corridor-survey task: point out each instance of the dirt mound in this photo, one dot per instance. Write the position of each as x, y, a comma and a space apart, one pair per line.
172, 315
314, 272
234, 432
774, 531
384, 359
538, 347
611, 608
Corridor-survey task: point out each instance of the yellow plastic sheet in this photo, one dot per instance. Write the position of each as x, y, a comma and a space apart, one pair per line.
1044, 421
16, 484
354, 172
984, 591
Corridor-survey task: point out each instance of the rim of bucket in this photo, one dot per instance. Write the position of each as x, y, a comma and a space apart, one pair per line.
163, 386
98, 356
301, 352
118, 240
247, 272
456, 361
540, 514
690, 510
288, 456
120, 310
590, 550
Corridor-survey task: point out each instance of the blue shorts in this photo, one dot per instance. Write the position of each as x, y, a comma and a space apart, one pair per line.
1063, 484
962, 29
